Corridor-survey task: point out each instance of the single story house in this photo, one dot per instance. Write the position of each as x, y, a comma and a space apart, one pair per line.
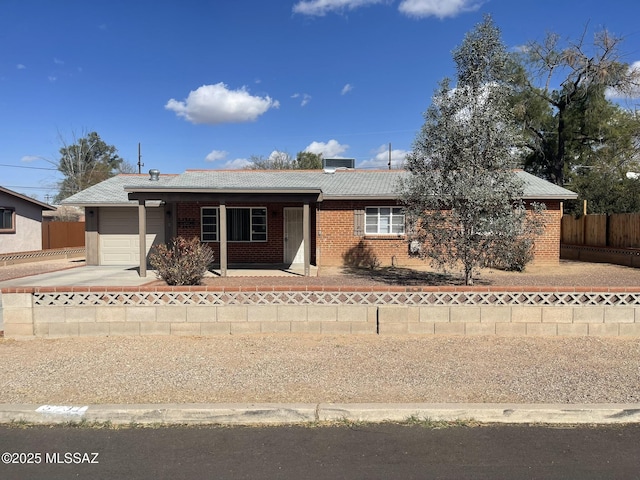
322, 218
20, 222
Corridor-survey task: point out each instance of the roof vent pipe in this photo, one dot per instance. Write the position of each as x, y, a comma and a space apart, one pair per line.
154, 175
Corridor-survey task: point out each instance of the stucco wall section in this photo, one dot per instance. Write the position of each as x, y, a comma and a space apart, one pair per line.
28, 231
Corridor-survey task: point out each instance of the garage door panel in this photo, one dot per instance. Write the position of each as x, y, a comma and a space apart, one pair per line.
119, 239
123, 258
113, 241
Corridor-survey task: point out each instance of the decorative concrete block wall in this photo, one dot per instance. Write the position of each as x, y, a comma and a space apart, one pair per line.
100, 311
510, 320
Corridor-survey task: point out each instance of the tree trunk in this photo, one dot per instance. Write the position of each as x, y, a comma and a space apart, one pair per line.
557, 171
468, 275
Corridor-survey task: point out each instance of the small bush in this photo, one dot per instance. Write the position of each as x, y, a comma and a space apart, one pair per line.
181, 261
514, 257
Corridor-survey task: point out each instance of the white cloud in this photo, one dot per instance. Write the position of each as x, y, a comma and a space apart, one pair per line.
21, 66
346, 89
57, 61
380, 159
52, 78
437, 8
331, 149
612, 93
411, 8
277, 155
321, 7
216, 155
30, 158
237, 164
306, 98
215, 104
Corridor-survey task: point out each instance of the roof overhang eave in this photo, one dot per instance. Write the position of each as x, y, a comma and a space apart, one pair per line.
542, 198
362, 197
99, 204
261, 191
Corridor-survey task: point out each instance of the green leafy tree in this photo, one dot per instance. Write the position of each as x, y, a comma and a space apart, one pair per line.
463, 201
85, 162
561, 98
606, 156
308, 161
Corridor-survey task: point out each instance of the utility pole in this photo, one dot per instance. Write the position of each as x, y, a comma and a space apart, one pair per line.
140, 164
389, 156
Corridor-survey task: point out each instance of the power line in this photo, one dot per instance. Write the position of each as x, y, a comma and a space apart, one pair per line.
24, 166
14, 187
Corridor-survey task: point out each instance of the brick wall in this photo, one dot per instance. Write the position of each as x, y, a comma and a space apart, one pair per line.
271, 251
337, 244
336, 239
547, 246
333, 241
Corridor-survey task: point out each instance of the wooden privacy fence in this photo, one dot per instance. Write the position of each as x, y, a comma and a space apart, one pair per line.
62, 234
617, 230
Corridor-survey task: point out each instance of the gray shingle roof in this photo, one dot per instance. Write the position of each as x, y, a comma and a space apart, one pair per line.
44, 206
536, 187
343, 184
111, 191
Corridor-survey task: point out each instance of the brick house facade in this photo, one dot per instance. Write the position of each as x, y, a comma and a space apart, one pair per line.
283, 217
335, 242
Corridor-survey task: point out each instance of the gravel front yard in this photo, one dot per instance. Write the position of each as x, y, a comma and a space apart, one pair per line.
313, 368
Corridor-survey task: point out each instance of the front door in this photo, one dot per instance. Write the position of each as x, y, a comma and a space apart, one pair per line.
293, 236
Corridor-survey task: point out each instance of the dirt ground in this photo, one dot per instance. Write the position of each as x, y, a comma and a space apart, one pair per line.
568, 273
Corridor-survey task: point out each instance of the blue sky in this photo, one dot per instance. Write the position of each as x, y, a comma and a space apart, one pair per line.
207, 84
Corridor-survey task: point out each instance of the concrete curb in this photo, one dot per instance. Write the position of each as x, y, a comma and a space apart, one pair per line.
299, 413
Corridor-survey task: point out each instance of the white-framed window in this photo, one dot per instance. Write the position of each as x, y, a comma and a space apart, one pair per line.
209, 224
384, 221
7, 220
244, 224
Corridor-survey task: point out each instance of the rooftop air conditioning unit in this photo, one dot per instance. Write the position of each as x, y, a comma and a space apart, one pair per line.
333, 163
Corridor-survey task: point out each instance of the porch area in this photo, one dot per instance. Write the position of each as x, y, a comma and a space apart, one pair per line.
261, 270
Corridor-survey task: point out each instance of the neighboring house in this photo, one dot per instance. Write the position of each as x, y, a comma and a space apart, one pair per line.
20, 222
271, 217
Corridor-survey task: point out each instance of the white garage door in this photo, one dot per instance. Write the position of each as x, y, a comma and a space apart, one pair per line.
119, 241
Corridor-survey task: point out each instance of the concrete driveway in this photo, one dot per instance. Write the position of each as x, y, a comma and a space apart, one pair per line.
83, 276
127, 276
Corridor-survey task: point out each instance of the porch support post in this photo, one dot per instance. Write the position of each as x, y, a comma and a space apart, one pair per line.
306, 235
223, 239
142, 232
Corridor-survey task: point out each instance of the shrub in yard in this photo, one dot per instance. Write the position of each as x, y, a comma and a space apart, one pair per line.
514, 258
181, 261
